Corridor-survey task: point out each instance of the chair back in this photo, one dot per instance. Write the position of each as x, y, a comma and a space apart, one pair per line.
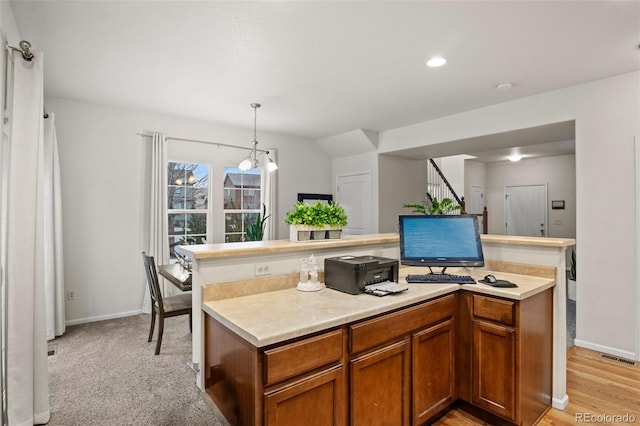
152, 280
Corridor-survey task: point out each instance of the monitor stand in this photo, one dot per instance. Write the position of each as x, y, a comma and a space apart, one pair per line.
444, 268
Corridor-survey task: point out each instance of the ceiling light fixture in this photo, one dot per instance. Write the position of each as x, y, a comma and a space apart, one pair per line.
515, 157
251, 160
504, 86
436, 61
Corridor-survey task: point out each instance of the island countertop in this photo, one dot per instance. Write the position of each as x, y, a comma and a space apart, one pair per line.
272, 317
249, 248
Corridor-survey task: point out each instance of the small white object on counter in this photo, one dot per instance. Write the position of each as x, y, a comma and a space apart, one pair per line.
309, 275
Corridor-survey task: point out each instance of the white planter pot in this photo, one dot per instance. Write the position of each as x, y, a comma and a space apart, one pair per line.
572, 290
304, 233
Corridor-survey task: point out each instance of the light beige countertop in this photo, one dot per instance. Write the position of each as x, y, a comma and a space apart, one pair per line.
212, 251
247, 248
528, 241
272, 317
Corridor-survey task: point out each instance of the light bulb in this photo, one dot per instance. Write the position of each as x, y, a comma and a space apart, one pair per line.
246, 163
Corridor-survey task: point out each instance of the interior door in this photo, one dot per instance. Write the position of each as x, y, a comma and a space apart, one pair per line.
526, 210
477, 199
354, 195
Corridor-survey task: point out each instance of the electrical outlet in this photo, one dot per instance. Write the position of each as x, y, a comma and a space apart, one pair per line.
261, 269
71, 295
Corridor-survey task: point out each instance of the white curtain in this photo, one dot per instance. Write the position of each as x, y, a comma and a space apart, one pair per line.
27, 380
269, 193
54, 272
158, 245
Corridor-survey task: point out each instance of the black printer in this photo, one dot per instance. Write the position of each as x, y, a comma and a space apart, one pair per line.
351, 273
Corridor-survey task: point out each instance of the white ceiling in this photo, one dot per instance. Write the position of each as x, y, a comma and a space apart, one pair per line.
328, 67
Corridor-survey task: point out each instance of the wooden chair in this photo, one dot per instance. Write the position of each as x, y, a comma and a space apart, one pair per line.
163, 306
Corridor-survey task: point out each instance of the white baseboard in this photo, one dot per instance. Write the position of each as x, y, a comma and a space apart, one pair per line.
560, 404
103, 317
606, 349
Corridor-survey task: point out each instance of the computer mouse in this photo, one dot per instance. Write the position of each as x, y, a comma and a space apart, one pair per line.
490, 279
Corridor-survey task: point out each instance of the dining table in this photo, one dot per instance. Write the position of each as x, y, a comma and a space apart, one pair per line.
177, 275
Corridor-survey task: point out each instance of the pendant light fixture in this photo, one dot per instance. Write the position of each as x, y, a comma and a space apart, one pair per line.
251, 160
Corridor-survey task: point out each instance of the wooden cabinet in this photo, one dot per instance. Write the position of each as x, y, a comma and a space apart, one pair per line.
399, 368
434, 365
505, 357
300, 383
494, 368
380, 386
316, 400
312, 398
403, 363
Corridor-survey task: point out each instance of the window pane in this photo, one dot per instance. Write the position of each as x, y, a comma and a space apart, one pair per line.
177, 224
242, 192
197, 223
232, 238
251, 199
232, 199
176, 197
187, 190
249, 218
233, 222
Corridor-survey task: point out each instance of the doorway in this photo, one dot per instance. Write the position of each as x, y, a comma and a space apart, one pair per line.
526, 210
354, 195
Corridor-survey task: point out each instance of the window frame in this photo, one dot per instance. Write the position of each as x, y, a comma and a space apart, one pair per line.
187, 211
241, 210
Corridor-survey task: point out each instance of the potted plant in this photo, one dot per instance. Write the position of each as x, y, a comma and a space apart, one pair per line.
255, 231
336, 220
572, 289
312, 221
433, 206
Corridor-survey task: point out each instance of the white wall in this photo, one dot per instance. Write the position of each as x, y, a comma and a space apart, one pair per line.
607, 114
558, 172
404, 182
104, 199
453, 168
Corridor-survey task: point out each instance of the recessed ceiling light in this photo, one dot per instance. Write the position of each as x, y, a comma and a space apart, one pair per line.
504, 86
436, 61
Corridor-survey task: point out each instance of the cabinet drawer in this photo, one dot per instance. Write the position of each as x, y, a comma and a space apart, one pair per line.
299, 357
374, 332
502, 311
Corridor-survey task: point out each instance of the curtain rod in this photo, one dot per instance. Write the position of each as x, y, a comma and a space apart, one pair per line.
219, 144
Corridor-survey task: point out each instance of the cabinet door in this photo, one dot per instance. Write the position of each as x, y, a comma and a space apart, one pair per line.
433, 355
318, 400
494, 368
380, 386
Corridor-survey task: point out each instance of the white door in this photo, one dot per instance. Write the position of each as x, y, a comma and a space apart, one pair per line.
477, 199
526, 210
354, 195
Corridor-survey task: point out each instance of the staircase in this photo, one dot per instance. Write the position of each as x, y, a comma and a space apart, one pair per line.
438, 187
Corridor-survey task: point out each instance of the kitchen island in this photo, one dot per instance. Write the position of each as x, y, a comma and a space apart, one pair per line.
291, 357
222, 271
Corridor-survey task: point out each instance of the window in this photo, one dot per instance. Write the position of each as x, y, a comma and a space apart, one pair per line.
188, 202
242, 201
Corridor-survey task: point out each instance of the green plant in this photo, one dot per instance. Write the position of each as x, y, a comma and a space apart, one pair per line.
255, 231
433, 206
317, 214
572, 266
336, 215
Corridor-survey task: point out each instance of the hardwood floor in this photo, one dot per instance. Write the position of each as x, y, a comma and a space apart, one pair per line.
596, 387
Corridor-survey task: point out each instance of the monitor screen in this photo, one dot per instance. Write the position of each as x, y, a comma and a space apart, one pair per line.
440, 240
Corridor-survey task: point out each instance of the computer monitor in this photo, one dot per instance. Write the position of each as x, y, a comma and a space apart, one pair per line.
440, 241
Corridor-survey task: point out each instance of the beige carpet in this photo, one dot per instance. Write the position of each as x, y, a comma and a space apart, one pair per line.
105, 373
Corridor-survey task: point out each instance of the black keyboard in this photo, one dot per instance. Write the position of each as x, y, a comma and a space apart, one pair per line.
440, 279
